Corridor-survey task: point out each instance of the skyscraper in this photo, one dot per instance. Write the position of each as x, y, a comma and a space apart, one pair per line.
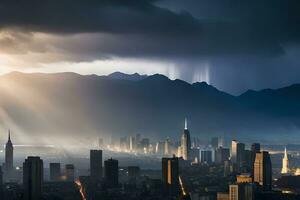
167, 149
70, 172
233, 151
214, 142
55, 174
170, 175
185, 142
221, 154
237, 154
111, 172
33, 178
206, 156
9, 156
285, 163
96, 164
263, 170
255, 148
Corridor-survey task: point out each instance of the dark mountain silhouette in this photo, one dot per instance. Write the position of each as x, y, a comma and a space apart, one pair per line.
68, 105
129, 77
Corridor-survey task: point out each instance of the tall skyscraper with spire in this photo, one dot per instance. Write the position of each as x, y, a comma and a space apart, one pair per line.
9, 156
185, 142
285, 163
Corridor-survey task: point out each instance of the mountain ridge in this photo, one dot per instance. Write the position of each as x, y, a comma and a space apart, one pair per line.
37, 104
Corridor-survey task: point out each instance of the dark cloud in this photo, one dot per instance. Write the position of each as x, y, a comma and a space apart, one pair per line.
224, 27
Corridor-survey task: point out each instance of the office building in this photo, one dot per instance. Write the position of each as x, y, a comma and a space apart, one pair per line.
214, 142
70, 172
55, 173
255, 148
285, 163
233, 154
185, 143
241, 191
33, 178
133, 173
111, 172
100, 143
263, 170
206, 156
145, 143
170, 176
222, 154
167, 147
237, 154
96, 164
240, 156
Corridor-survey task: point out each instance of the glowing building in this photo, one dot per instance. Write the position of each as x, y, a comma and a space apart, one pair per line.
185, 143
263, 170
285, 163
170, 175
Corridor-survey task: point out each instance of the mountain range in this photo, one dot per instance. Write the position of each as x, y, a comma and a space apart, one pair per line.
69, 107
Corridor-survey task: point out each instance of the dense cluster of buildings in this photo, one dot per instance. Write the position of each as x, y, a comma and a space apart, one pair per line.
187, 172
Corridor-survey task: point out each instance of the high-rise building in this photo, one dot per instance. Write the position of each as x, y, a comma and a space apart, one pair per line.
55, 174
255, 148
137, 138
227, 168
33, 178
247, 163
100, 143
9, 157
96, 164
241, 191
240, 156
132, 144
133, 173
111, 172
237, 154
70, 172
263, 170
160, 147
233, 154
145, 143
206, 156
185, 142
170, 176
214, 142
221, 154
167, 149
285, 163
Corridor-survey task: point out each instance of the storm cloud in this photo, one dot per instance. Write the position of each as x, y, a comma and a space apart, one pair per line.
234, 39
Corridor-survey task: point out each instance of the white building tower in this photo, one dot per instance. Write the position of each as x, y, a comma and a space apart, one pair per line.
285, 163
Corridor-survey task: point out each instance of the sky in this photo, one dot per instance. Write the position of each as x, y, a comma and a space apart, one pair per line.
233, 45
